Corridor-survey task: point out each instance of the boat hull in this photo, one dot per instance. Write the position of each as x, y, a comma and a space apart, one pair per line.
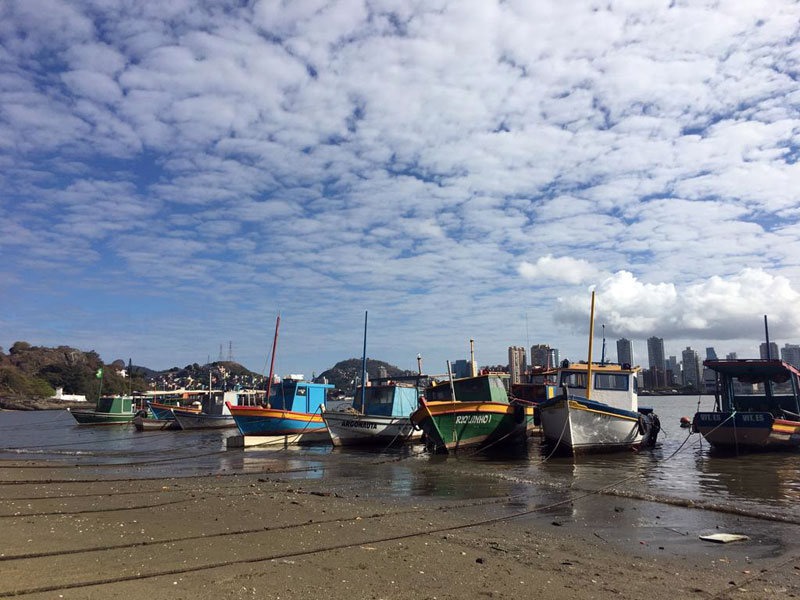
575, 425
270, 421
148, 424
164, 411
192, 420
747, 430
353, 429
90, 417
449, 426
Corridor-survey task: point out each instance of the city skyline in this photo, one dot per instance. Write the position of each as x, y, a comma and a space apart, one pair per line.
178, 174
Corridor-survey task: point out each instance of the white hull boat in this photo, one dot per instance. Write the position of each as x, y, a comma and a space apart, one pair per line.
348, 428
189, 420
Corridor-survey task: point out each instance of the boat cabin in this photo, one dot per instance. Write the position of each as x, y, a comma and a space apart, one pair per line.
115, 404
757, 385
299, 396
483, 388
389, 400
614, 385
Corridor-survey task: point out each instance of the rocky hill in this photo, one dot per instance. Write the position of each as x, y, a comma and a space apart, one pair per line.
29, 373
345, 373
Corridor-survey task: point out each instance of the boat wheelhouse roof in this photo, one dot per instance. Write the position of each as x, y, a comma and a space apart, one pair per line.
597, 368
754, 370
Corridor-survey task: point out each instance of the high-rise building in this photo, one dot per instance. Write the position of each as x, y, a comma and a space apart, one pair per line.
540, 355
691, 368
624, 352
517, 364
656, 362
554, 357
730, 356
673, 370
790, 353
711, 354
461, 368
773, 350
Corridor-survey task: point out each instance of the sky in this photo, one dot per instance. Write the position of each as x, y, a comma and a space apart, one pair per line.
175, 174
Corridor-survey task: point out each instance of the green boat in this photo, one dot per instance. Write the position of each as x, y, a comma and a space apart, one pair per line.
109, 410
480, 415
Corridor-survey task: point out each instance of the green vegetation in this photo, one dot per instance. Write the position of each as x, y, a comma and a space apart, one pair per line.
35, 372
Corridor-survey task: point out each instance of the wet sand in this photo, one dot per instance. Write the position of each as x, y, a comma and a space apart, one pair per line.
270, 535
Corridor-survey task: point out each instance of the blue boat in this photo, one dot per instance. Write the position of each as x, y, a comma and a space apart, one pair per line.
295, 407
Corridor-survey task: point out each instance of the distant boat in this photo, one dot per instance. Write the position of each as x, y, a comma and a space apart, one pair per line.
384, 418
481, 414
757, 406
215, 412
109, 410
162, 402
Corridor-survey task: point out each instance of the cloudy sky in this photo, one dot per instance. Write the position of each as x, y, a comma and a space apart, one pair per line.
174, 174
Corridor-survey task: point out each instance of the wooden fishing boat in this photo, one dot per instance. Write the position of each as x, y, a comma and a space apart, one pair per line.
215, 413
382, 417
757, 406
294, 407
471, 411
109, 410
144, 423
598, 410
604, 420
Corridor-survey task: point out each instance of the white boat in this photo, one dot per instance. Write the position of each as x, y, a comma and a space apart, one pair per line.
598, 410
382, 420
611, 420
216, 414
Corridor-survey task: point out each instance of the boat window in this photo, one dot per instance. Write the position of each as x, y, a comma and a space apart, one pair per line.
611, 381
574, 380
380, 395
301, 390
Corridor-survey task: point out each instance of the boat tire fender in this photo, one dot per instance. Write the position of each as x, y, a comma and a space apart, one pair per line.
141, 413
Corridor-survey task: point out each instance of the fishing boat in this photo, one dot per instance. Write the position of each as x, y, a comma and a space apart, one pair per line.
144, 423
215, 413
603, 417
380, 417
598, 410
294, 408
757, 406
471, 411
162, 402
109, 410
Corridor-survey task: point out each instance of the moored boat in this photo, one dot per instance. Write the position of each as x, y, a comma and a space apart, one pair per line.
757, 406
475, 412
109, 410
383, 419
598, 410
602, 418
145, 423
294, 408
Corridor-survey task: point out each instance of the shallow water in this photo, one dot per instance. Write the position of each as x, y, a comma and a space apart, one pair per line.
758, 483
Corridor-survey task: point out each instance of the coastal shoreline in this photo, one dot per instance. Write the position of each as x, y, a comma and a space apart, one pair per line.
269, 535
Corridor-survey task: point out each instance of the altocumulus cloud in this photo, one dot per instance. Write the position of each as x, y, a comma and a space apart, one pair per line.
185, 170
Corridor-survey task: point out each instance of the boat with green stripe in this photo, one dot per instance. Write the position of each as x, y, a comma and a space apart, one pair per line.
476, 412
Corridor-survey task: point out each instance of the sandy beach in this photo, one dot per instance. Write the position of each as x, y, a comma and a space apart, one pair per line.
271, 535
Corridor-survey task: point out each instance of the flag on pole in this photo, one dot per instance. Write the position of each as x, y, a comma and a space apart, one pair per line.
99, 374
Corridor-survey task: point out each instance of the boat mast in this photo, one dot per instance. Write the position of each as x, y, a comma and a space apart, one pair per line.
767, 382
364, 364
591, 339
272, 361
452, 387
472, 357
603, 355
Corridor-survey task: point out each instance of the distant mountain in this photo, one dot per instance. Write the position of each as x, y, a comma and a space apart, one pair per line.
344, 374
35, 371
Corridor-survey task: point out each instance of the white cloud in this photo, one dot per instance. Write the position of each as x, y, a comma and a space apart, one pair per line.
719, 308
565, 268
